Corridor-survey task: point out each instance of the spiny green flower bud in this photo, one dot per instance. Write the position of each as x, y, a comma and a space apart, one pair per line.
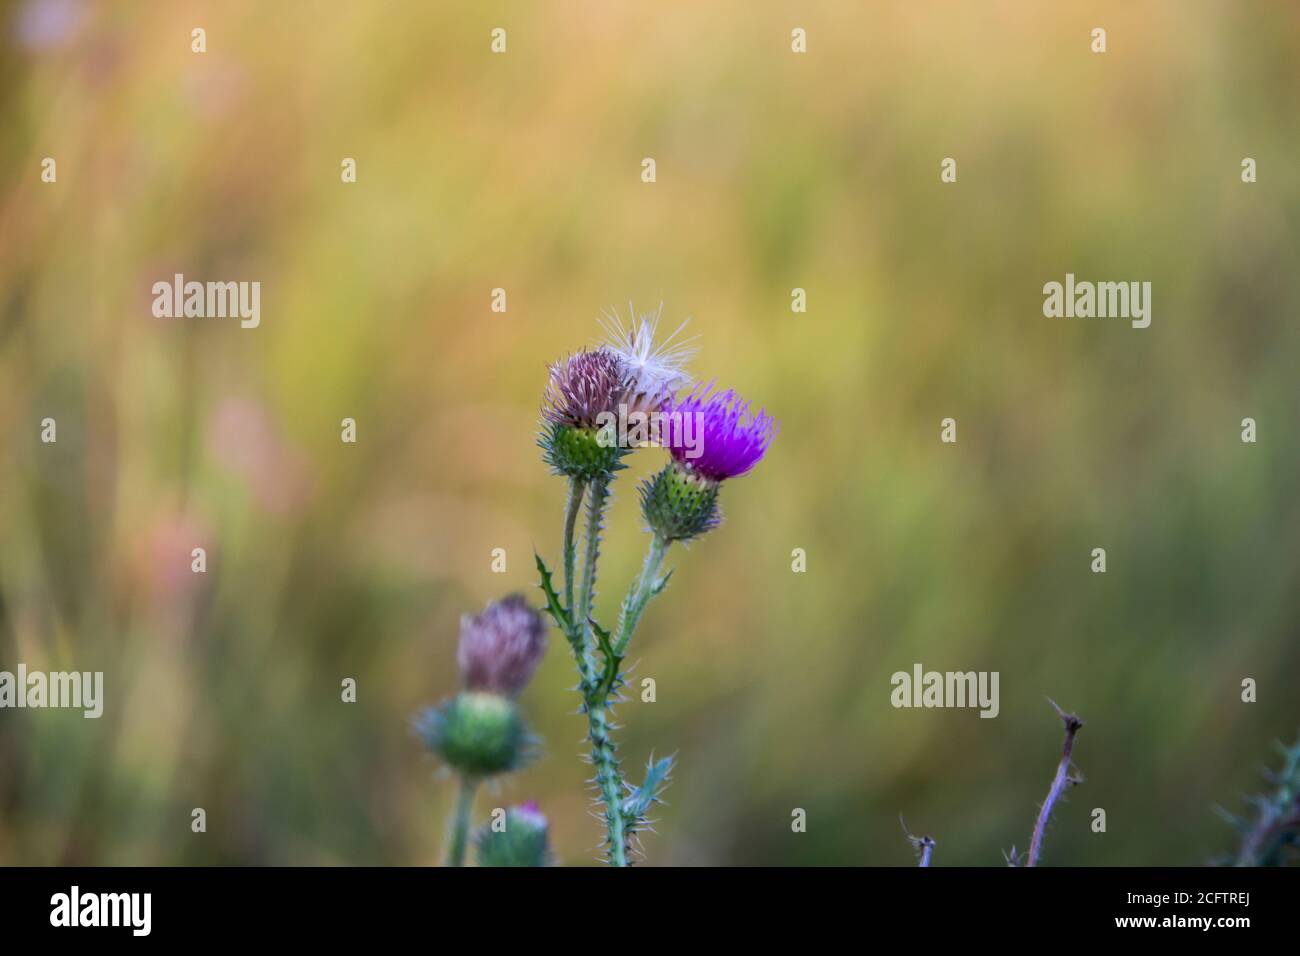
478, 734
521, 841
578, 451
679, 503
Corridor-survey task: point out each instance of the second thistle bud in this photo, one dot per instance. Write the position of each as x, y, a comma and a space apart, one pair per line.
679, 504
478, 734
501, 648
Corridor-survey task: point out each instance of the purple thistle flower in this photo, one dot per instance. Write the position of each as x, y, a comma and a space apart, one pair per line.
584, 386
501, 648
716, 435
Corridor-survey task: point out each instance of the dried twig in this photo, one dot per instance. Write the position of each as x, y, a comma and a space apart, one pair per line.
923, 845
1060, 782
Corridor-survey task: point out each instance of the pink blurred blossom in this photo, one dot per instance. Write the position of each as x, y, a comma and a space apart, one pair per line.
245, 440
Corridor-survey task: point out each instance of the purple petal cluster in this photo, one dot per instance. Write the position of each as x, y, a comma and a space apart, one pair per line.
584, 386
723, 437
501, 648
532, 812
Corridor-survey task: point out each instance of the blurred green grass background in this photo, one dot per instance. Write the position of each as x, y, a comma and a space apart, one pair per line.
775, 171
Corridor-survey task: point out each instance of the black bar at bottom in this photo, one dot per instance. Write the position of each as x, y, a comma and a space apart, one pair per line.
336, 905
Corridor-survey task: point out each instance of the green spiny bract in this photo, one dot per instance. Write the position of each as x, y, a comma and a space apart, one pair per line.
477, 734
658, 775
679, 504
522, 841
639, 800
580, 452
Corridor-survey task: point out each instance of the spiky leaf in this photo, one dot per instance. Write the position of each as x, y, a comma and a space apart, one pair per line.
658, 776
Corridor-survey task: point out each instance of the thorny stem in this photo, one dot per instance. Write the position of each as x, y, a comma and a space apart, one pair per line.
609, 779
563, 610
577, 489
609, 776
460, 822
587, 586
641, 592
1059, 783
1263, 842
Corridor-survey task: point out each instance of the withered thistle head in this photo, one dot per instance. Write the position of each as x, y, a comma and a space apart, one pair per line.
583, 387
656, 366
581, 405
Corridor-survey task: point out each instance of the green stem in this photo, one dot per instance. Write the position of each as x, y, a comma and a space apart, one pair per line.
609, 778
577, 488
587, 586
460, 822
639, 596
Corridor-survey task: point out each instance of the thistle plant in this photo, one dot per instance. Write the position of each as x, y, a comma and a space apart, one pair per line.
710, 439
480, 734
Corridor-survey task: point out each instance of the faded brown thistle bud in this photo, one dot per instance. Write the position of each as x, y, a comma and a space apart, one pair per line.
501, 647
